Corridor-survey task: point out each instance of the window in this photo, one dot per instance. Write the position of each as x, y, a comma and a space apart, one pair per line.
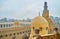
1, 26
23, 32
33, 27
18, 33
4, 25
1, 36
40, 28
14, 34
6, 35
9, 25
46, 28
10, 34
29, 31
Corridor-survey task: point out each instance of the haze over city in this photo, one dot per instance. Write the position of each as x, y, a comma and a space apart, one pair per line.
20, 9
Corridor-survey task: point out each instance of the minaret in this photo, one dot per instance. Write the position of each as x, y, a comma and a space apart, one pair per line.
45, 11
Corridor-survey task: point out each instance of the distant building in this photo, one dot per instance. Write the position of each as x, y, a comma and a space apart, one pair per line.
3, 20
56, 21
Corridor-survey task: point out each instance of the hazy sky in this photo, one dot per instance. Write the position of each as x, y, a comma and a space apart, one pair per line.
27, 8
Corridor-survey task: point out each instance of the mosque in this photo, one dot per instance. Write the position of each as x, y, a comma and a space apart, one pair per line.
41, 27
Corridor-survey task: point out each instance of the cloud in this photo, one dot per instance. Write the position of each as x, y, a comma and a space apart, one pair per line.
26, 8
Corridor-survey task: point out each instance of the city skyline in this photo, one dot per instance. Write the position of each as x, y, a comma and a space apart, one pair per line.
20, 9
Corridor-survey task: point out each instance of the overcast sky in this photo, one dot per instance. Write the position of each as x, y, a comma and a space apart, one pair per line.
19, 9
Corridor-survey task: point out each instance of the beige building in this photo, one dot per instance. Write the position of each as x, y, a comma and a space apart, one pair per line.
40, 25
15, 31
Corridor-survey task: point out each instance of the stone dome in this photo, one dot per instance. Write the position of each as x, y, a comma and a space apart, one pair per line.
39, 21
